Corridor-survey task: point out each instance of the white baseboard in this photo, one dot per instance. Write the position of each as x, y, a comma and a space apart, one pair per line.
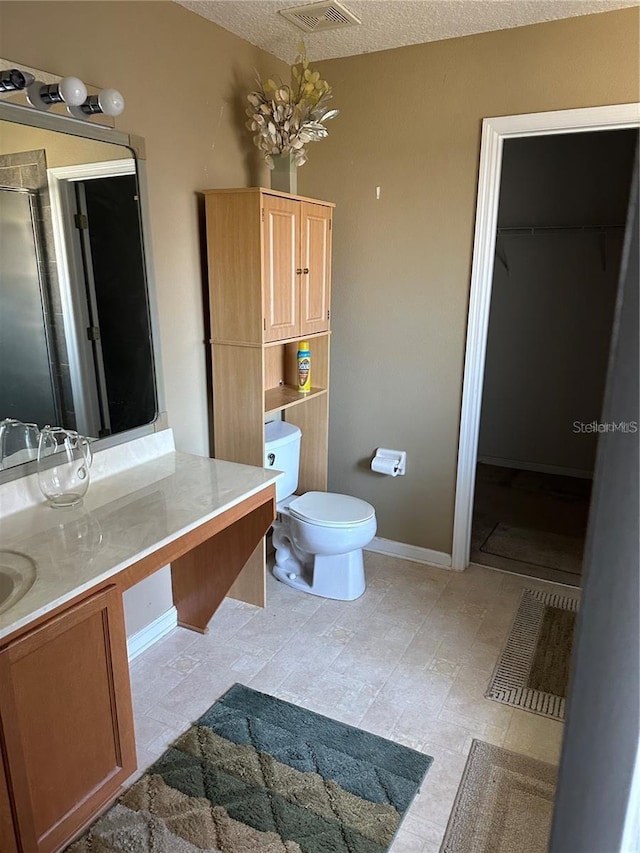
536, 466
147, 636
410, 552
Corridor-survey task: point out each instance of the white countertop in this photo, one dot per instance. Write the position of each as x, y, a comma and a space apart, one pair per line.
123, 518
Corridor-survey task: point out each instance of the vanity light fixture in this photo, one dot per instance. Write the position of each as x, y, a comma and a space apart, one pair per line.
13, 80
107, 101
70, 90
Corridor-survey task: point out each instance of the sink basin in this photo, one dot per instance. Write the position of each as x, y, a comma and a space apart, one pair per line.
17, 574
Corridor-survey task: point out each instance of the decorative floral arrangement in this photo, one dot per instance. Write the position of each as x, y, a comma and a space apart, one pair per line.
285, 117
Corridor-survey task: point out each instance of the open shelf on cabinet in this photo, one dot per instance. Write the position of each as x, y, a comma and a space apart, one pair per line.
281, 373
285, 396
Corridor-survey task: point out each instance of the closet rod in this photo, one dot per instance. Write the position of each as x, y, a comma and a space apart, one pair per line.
532, 230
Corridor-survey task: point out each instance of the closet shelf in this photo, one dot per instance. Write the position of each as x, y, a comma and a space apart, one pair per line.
540, 230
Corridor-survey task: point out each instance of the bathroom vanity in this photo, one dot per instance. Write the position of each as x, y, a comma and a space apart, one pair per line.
67, 739
80, 349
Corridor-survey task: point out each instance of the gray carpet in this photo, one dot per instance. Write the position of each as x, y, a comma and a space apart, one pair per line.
538, 547
504, 804
529, 522
534, 668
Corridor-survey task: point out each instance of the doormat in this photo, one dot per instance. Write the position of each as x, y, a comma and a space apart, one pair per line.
255, 773
504, 802
533, 670
538, 547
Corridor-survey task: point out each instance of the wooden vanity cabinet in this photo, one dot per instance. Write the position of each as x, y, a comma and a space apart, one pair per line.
8, 842
67, 721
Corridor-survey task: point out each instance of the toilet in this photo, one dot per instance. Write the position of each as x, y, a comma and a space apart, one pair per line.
319, 536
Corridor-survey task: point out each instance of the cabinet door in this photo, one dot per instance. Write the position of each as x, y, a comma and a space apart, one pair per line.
315, 292
8, 842
65, 704
281, 262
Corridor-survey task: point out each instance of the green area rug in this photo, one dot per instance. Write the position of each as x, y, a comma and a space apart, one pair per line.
259, 774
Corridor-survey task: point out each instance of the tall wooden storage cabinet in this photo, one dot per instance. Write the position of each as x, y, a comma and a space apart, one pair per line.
270, 286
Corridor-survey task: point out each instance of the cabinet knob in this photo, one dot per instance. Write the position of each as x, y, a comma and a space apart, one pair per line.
299, 272
306, 270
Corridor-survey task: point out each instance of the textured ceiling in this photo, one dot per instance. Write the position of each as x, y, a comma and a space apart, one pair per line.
386, 23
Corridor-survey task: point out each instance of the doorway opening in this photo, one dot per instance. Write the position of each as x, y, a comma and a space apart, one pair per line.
552, 204
561, 224
100, 262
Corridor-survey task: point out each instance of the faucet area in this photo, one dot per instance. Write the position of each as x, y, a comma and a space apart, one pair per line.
65, 573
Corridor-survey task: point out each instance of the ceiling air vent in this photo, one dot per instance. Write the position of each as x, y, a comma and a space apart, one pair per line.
317, 17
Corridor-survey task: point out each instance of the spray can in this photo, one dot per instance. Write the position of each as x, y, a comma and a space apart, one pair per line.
304, 367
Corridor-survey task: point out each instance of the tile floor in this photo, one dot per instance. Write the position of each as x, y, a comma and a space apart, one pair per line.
410, 660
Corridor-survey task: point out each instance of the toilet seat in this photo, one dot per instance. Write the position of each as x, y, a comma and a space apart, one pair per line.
327, 509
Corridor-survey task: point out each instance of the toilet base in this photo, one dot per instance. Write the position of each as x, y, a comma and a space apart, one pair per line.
339, 576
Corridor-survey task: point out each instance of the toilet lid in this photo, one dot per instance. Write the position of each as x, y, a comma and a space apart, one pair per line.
330, 510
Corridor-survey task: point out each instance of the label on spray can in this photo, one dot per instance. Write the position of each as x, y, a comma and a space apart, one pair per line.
304, 367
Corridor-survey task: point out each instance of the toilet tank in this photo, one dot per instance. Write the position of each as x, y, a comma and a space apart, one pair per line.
282, 452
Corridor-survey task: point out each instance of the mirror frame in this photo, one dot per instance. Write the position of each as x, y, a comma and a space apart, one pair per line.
66, 124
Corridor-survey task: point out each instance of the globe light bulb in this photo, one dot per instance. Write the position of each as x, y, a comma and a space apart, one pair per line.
111, 102
72, 91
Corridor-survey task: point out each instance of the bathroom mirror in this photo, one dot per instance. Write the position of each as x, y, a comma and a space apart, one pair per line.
76, 343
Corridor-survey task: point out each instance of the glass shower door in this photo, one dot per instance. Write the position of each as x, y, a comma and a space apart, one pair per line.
27, 390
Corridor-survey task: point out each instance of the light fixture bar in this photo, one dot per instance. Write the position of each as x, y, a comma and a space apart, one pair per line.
14, 80
43, 90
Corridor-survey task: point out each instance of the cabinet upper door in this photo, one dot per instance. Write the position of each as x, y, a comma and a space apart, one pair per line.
67, 720
315, 281
281, 262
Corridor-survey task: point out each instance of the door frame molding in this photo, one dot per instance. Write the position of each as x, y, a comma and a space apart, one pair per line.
69, 266
494, 132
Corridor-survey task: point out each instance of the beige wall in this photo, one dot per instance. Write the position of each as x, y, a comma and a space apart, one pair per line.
410, 123
183, 79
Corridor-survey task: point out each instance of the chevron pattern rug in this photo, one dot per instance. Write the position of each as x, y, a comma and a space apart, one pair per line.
259, 774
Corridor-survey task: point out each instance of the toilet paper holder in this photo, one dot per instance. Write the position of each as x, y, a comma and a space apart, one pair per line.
398, 458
